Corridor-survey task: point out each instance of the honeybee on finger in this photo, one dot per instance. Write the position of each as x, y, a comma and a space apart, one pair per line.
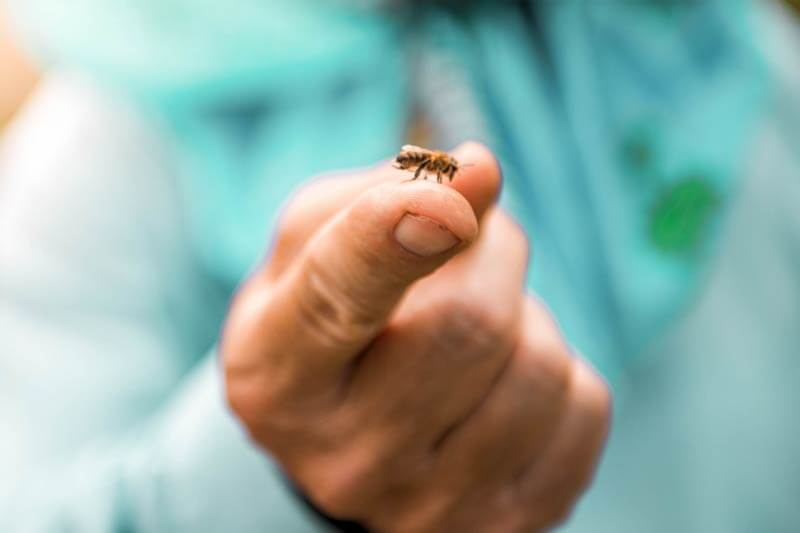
421, 160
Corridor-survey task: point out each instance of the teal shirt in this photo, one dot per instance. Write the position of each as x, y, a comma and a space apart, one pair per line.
119, 248
593, 108
113, 416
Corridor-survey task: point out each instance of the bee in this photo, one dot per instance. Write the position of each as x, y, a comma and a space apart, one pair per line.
419, 160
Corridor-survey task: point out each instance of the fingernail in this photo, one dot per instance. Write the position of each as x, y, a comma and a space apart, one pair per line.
424, 236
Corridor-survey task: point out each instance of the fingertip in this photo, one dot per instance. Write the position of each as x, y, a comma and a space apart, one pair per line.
390, 202
479, 178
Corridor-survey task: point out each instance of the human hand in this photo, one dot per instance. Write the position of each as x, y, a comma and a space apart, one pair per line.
387, 356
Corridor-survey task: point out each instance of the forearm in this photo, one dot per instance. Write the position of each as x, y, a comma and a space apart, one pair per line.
189, 468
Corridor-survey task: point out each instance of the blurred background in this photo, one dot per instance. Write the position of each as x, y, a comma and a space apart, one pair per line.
652, 149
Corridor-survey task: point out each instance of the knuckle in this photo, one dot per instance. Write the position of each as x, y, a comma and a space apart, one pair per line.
326, 312
551, 349
346, 487
474, 326
306, 203
287, 230
305, 200
247, 390
291, 218
515, 234
263, 410
550, 369
547, 359
597, 396
240, 401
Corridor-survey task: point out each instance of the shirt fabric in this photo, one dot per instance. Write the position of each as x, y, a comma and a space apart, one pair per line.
109, 310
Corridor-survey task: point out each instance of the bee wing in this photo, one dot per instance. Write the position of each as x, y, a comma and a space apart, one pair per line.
412, 148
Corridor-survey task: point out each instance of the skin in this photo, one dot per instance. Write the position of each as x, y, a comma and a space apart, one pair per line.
18, 76
413, 391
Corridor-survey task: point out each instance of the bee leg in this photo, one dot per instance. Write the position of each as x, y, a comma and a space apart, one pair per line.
420, 169
438, 176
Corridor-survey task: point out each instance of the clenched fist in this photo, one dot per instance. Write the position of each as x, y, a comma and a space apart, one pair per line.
386, 354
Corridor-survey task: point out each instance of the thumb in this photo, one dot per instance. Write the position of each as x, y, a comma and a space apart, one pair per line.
333, 301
